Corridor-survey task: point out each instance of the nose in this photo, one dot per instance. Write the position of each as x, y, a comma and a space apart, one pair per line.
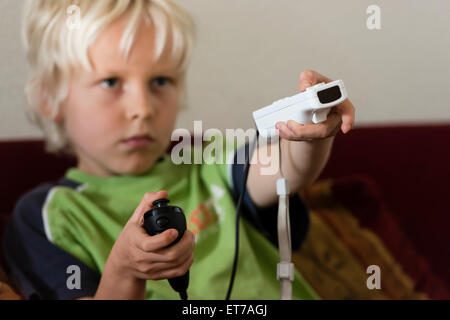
139, 103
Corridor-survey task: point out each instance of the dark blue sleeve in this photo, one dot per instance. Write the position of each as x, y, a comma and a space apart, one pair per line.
37, 265
265, 219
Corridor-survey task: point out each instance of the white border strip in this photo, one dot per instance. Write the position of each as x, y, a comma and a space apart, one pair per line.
81, 187
45, 213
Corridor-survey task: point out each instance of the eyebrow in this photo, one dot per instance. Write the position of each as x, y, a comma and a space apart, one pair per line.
115, 72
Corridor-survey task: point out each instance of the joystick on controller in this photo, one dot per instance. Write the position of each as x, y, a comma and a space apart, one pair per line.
158, 220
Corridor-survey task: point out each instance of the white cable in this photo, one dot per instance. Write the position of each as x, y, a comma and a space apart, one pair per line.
285, 269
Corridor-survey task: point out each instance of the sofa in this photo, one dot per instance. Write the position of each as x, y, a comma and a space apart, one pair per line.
382, 199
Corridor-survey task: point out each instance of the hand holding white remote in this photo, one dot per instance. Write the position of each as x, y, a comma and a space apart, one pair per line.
310, 106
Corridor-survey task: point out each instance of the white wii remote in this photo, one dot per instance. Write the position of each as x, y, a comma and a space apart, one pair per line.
310, 106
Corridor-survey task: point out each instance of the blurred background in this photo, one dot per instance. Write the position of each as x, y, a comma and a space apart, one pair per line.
251, 53
383, 197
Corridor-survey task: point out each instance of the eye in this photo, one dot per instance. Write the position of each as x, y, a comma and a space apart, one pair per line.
161, 82
110, 83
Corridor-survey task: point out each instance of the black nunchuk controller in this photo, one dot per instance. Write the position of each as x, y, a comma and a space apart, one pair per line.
158, 220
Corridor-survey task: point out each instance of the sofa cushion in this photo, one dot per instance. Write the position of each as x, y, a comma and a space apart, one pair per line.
361, 197
6, 290
409, 164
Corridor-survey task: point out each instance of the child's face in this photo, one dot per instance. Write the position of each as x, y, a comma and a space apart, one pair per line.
121, 99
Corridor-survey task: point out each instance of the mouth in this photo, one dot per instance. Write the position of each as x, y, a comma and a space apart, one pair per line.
141, 140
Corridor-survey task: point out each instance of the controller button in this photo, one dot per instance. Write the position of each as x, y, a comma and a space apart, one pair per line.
162, 222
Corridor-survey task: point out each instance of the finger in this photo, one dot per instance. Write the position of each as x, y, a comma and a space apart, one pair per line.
156, 242
176, 252
347, 111
309, 78
171, 258
145, 205
179, 271
298, 132
164, 270
151, 262
153, 270
179, 256
284, 131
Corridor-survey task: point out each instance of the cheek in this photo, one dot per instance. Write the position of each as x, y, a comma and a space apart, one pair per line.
168, 118
89, 129
168, 110
164, 124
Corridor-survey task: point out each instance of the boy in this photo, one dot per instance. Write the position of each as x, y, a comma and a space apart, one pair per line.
108, 90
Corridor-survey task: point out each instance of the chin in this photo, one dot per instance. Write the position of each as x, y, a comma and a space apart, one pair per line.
140, 167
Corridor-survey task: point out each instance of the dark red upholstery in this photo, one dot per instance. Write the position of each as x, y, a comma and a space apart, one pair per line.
363, 198
408, 167
24, 165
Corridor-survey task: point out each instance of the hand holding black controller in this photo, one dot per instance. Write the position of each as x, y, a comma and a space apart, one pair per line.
158, 220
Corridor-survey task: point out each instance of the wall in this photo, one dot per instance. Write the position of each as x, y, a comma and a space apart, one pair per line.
250, 53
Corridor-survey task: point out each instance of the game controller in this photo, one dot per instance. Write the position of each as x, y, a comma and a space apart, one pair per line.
309, 106
164, 217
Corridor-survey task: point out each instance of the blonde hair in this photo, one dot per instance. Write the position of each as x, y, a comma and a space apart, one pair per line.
55, 44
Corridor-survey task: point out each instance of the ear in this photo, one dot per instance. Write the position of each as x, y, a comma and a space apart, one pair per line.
44, 108
58, 117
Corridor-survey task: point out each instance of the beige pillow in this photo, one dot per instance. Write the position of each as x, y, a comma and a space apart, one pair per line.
6, 292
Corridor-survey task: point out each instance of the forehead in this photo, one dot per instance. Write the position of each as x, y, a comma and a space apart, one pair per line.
106, 56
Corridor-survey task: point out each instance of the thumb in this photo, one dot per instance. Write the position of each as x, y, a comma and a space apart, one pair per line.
145, 205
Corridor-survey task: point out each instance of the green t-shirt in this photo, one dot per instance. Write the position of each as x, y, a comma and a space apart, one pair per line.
87, 220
